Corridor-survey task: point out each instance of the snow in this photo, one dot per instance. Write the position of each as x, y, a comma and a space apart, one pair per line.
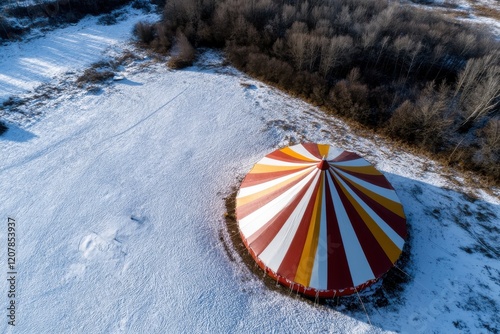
65, 50
118, 198
467, 8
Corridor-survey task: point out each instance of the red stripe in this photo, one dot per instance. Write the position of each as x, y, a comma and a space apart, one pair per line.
378, 180
263, 236
311, 292
377, 259
244, 210
313, 149
346, 156
290, 264
397, 223
253, 179
339, 276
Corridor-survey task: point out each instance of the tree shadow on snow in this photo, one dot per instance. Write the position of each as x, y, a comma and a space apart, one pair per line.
128, 82
16, 134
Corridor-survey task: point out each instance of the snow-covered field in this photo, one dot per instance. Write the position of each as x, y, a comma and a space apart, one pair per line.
118, 198
43, 57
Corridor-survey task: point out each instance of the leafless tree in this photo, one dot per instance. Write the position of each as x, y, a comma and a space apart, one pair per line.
184, 53
479, 87
297, 41
402, 44
333, 52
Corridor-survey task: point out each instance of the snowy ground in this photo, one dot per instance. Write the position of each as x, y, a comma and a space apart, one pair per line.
45, 56
118, 199
470, 11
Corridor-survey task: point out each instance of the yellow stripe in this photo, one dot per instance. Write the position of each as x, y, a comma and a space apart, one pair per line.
292, 153
391, 250
304, 271
323, 150
368, 170
395, 207
262, 193
259, 168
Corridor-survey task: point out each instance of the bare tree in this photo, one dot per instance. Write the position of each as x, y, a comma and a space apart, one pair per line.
412, 54
492, 135
333, 51
288, 15
344, 19
383, 45
184, 54
474, 71
479, 87
485, 96
297, 40
401, 44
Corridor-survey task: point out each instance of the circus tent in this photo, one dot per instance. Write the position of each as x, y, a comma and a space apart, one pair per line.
320, 220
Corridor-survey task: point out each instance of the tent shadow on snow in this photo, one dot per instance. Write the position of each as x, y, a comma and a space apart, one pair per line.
16, 134
443, 276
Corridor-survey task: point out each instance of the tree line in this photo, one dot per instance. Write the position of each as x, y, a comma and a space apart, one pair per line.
408, 73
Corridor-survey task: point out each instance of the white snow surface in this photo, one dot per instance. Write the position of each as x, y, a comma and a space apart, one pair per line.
119, 199
27, 64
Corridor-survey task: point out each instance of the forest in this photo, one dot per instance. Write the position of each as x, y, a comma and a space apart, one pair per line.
425, 80
418, 77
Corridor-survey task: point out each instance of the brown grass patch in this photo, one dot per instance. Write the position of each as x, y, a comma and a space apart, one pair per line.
127, 58
457, 14
487, 11
93, 76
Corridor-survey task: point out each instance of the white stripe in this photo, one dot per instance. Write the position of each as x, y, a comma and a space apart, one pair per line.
354, 163
274, 162
300, 149
356, 259
319, 277
274, 253
334, 152
254, 221
384, 192
380, 222
246, 191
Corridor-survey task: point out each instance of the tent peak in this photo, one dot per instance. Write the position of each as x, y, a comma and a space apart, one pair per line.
323, 164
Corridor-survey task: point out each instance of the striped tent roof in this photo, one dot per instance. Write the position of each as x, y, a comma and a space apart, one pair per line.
320, 220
